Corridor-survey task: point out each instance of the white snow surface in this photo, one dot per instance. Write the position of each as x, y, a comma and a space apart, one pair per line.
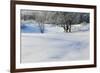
55, 44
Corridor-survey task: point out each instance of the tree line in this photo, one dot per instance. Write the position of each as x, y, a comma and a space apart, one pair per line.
62, 19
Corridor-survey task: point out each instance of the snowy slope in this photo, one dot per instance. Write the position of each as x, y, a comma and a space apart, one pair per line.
55, 45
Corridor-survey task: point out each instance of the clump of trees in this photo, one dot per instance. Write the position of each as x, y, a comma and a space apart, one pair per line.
62, 19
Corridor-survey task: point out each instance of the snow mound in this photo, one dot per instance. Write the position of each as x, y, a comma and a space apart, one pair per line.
80, 27
29, 28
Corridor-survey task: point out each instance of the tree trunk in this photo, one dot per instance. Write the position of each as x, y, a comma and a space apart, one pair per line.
41, 26
69, 26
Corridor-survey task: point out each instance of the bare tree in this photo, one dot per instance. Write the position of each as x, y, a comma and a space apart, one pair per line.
41, 18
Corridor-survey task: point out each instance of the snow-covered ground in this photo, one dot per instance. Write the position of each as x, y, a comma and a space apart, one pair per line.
54, 44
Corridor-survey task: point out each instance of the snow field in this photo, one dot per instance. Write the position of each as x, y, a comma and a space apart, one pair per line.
54, 44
